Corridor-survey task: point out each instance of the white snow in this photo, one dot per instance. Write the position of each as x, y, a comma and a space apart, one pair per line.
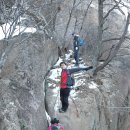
73, 93
11, 103
56, 91
24, 29
48, 118
6, 28
58, 62
55, 73
67, 56
22, 18
92, 85
49, 84
57, 102
83, 65
73, 61
93, 5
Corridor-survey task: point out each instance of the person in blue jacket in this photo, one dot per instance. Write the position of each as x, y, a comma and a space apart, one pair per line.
76, 48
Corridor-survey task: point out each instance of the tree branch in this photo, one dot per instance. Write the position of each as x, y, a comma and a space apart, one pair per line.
85, 15
70, 16
109, 49
123, 4
113, 39
111, 10
114, 51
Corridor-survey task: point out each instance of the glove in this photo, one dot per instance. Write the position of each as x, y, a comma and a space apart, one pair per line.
90, 67
76, 48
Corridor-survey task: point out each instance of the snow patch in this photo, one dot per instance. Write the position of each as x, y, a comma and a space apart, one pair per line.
7, 28
83, 65
73, 93
67, 56
58, 62
57, 103
56, 91
55, 73
11, 103
48, 118
93, 6
92, 85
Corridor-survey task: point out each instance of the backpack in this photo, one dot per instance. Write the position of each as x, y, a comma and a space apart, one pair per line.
81, 41
70, 80
56, 127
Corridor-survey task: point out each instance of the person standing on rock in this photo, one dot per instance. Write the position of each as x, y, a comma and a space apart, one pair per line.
55, 125
76, 48
64, 85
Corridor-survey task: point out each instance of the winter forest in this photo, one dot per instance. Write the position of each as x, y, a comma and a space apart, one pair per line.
36, 36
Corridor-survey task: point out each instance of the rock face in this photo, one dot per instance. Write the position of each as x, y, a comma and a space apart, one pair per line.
22, 104
22, 97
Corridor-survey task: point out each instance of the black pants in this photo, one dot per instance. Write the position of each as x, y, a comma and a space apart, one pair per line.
64, 95
76, 56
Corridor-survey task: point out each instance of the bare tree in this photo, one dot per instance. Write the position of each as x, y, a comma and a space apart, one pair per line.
101, 28
85, 15
12, 22
11, 17
70, 16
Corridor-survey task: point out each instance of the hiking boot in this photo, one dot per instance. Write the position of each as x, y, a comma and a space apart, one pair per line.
61, 110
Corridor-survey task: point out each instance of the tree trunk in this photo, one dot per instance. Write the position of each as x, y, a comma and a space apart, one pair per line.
100, 32
115, 49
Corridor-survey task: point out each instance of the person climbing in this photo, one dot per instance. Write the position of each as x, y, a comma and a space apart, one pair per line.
64, 88
76, 48
55, 125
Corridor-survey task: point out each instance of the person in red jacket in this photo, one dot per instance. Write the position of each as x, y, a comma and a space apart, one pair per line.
64, 89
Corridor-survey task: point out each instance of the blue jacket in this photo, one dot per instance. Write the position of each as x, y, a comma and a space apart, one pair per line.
73, 70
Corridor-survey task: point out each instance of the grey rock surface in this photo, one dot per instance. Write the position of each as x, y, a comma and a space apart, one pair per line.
21, 84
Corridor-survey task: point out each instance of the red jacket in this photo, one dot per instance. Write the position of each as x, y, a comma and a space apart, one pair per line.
63, 78
64, 74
